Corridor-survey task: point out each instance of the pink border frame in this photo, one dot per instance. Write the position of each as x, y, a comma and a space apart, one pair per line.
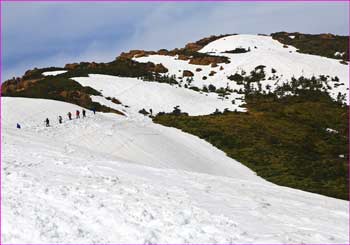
159, 1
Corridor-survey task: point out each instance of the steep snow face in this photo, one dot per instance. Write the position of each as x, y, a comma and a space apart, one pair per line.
159, 97
53, 73
85, 181
281, 64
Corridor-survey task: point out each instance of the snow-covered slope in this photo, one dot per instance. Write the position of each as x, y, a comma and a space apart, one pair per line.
159, 97
155, 185
263, 51
123, 179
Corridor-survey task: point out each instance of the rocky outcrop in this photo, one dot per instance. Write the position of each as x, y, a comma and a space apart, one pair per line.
159, 68
189, 52
187, 73
135, 54
212, 73
207, 60
195, 46
71, 66
16, 85
327, 36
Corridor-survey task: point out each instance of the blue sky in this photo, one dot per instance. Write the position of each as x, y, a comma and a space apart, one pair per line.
42, 34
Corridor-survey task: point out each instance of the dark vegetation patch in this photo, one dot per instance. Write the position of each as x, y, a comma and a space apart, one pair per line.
238, 51
283, 139
236, 77
322, 44
144, 112
62, 89
114, 100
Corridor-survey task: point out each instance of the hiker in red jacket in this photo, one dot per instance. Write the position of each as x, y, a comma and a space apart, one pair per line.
77, 113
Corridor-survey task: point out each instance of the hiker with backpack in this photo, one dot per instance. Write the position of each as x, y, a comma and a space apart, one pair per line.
77, 113
84, 113
69, 115
47, 121
60, 119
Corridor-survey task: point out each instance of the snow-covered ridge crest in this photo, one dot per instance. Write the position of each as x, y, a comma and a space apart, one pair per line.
245, 41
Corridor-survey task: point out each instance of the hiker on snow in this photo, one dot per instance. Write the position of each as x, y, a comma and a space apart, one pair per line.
69, 115
47, 122
84, 113
18, 126
77, 113
60, 119
94, 111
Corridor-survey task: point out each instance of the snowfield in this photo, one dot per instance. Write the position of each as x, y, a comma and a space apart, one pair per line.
115, 179
123, 179
263, 51
53, 73
159, 97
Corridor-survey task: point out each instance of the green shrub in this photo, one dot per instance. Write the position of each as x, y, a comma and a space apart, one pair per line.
211, 88
236, 77
283, 139
321, 44
194, 88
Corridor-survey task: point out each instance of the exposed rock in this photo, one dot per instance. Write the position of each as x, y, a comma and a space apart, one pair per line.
163, 52
212, 73
158, 68
116, 101
16, 85
182, 57
193, 46
92, 65
198, 69
204, 41
207, 60
135, 54
30, 72
187, 73
327, 36
71, 66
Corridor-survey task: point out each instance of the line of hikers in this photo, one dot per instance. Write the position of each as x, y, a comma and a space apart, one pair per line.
60, 119
69, 114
